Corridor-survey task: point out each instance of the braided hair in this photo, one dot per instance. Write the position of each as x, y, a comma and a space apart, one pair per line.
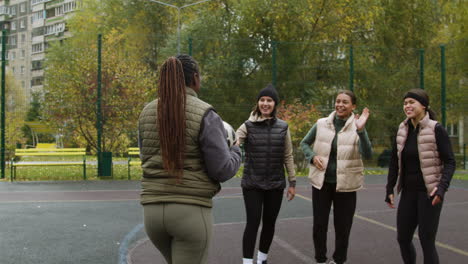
175, 74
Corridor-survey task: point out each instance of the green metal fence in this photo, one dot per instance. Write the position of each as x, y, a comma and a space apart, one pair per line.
94, 97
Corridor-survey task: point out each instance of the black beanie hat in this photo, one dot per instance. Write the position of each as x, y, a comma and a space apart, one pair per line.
269, 91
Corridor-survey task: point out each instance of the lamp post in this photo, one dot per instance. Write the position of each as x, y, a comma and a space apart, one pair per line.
178, 16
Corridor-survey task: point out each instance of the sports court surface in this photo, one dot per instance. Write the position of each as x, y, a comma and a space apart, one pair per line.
101, 222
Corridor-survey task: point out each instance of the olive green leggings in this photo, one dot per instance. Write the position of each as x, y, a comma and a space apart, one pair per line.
181, 232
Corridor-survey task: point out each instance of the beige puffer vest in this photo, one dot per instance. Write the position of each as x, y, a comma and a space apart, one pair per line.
349, 166
158, 186
431, 165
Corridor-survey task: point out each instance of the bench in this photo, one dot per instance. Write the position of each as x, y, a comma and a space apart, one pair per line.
48, 152
46, 146
131, 153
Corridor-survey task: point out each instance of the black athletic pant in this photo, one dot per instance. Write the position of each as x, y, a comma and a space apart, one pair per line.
260, 205
344, 206
415, 210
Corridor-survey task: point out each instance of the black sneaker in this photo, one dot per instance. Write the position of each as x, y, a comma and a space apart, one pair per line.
264, 262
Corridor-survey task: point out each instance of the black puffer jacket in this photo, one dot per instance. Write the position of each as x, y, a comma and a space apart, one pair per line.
264, 150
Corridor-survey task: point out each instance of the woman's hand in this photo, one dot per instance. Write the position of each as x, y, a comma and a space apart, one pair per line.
318, 162
361, 119
391, 201
291, 193
437, 199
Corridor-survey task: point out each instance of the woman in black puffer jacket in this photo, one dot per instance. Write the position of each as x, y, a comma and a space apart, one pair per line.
268, 149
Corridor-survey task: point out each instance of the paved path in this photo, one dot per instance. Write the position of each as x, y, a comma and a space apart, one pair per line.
101, 222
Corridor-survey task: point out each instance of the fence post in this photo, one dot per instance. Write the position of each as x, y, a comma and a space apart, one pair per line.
351, 68
98, 106
273, 61
443, 85
465, 166
190, 46
421, 68
2, 158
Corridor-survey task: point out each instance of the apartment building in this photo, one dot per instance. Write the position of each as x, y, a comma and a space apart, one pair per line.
31, 25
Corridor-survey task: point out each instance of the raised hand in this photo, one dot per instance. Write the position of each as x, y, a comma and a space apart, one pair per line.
362, 119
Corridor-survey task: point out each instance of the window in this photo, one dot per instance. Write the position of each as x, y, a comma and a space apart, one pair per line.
4, 10
22, 70
23, 38
37, 16
452, 130
23, 54
13, 55
22, 7
55, 28
35, 2
37, 32
69, 7
12, 40
22, 24
36, 65
13, 25
13, 10
37, 81
36, 48
50, 13
59, 10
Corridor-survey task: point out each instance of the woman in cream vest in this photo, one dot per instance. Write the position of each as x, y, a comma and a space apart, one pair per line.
423, 163
334, 147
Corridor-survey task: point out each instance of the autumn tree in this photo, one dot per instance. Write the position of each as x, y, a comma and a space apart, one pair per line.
300, 118
71, 91
16, 109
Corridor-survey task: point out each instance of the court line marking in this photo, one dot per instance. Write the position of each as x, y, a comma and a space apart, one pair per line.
292, 250
124, 244
375, 222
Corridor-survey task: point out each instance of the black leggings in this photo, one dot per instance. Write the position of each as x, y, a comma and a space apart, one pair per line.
258, 202
415, 210
344, 206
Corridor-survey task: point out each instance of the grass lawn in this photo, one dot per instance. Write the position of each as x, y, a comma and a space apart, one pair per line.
59, 173
120, 170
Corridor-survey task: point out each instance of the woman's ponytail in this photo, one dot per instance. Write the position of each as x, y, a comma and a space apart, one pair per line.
171, 116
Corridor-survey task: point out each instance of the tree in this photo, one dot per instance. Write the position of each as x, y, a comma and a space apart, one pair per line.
15, 108
237, 56
300, 118
71, 91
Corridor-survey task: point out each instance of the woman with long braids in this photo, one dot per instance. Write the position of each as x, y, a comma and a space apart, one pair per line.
336, 172
423, 163
184, 158
268, 150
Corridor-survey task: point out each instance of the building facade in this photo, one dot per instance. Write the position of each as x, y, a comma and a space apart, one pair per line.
31, 26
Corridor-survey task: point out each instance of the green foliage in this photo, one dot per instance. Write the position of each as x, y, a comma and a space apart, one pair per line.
242, 45
71, 91
15, 107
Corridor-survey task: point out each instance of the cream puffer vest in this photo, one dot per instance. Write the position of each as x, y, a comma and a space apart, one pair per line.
158, 186
431, 165
349, 166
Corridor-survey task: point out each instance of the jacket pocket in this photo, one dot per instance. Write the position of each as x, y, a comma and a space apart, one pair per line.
350, 179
